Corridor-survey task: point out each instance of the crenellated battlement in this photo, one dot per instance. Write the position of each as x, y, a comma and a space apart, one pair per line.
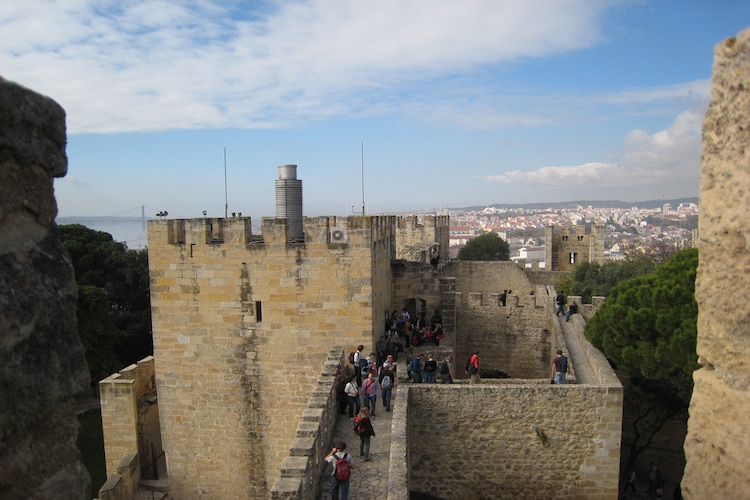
275, 231
428, 221
417, 242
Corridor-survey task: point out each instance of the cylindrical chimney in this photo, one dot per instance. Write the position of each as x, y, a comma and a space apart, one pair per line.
289, 200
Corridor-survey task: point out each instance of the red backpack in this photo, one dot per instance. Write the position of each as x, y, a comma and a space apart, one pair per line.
343, 471
359, 426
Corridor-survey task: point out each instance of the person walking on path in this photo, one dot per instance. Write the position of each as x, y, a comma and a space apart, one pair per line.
370, 392
560, 367
358, 357
352, 393
446, 370
386, 380
363, 428
560, 299
430, 370
343, 463
472, 368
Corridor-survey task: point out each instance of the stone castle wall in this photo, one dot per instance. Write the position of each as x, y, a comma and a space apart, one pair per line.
717, 442
514, 339
123, 403
131, 428
415, 241
240, 320
520, 439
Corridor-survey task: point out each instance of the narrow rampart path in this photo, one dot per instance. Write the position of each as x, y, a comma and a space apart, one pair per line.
369, 479
583, 372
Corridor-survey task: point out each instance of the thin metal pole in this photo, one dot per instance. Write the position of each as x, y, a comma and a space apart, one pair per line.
226, 199
363, 179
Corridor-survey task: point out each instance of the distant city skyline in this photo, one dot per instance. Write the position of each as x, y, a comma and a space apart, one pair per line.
456, 104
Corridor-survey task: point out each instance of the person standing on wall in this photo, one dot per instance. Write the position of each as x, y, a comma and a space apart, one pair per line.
472, 368
560, 367
343, 463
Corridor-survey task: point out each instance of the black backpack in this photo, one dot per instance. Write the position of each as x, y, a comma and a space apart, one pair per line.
443, 368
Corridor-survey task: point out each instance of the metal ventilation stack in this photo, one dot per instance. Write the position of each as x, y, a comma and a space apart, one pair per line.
289, 200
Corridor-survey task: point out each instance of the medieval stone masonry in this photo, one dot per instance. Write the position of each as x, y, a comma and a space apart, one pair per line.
244, 366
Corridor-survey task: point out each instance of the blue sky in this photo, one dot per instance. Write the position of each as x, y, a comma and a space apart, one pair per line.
457, 103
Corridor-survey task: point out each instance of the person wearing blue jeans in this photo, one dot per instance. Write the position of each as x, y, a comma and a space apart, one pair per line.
571, 311
352, 394
416, 369
386, 387
560, 367
430, 370
370, 392
339, 484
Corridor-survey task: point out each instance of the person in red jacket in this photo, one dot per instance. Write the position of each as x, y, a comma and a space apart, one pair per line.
472, 368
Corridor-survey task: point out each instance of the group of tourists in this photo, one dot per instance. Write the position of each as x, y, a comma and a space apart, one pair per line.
431, 371
402, 329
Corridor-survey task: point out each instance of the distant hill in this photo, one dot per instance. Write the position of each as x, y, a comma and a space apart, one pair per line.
585, 203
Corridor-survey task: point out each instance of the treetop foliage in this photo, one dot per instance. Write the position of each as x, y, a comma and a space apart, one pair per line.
489, 246
591, 279
648, 325
114, 306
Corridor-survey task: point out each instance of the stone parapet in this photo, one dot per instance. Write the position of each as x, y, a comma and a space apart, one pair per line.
552, 441
302, 468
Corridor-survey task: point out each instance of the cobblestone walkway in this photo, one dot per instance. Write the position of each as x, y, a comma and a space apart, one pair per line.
369, 479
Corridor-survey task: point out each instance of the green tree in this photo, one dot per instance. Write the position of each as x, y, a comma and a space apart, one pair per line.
648, 325
489, 246
594, 279
99, 335
647, 329
121, 278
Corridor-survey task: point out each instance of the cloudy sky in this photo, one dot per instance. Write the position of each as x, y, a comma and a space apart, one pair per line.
454, 103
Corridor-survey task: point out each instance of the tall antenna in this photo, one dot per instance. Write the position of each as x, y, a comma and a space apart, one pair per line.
363, 178
226, 200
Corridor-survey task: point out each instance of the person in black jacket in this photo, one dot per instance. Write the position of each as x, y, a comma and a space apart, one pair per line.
364, 429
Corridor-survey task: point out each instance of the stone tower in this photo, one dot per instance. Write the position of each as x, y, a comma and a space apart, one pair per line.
567, 247
241, 325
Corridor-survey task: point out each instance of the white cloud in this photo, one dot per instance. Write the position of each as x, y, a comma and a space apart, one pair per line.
651, 165
149, 65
